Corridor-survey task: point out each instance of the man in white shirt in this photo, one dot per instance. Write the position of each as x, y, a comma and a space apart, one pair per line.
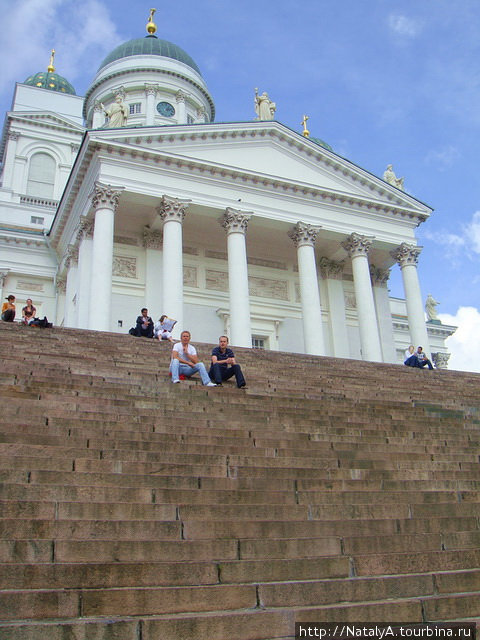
185, 361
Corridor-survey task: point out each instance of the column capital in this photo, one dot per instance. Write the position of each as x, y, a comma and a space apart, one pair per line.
379, 276
151, 89
61, 285
71, 255
104, 195
330, 269
357, 245
201, 113
234, 220
152, 239
440, 360
172, 209
180, 96
13, 135
85, 228
304, 234
406, 254
97, 106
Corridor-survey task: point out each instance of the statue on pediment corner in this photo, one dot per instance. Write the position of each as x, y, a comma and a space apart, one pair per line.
390, 177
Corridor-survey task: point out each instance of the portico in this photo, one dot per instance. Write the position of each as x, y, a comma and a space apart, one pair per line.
156, 221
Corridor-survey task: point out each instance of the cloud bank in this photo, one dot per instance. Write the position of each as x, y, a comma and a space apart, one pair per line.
464, 345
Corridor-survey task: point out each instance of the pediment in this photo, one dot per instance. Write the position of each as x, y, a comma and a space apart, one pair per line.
47, 119
272, 151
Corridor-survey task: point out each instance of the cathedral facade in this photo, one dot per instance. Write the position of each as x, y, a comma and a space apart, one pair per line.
133, 196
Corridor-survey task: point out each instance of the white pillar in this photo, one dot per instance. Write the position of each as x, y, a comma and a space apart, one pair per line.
201, 114
384, 314
71, 263
357, 247
172, 211
98, 118
304, 236
235, 223
150, 92
332, 274
181, 107
3, 277
10, 155
105, 201
152, 242
85, 250
407, 257
61, 291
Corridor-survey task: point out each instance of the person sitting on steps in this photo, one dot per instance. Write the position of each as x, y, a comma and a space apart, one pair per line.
185, 361
223, 365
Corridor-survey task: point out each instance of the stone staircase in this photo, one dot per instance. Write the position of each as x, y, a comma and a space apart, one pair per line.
134, 509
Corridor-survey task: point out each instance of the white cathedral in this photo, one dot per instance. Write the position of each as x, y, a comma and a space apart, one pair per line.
132, 196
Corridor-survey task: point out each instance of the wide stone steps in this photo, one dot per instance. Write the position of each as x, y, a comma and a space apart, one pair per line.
328, 490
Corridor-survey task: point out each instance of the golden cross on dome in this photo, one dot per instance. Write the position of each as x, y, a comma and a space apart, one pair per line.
50, 67
306, 132
151, 26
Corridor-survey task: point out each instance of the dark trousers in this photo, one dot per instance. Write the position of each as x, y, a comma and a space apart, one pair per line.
145, 333
220, 372
8, 315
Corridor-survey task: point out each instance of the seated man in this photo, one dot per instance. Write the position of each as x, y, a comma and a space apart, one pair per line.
144, 327
411, 359
185, 361
223, 365
422, 359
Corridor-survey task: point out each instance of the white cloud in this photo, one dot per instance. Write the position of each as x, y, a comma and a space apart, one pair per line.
465, 243
403, 26
80, 32
443, 158
464, 345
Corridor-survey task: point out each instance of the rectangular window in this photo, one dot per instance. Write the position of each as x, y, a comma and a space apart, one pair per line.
36, 220
135, 107
258, 342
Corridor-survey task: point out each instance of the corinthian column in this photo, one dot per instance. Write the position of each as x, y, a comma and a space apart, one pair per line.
105, 202
181, 107
172, 212
407, 257
235, 223
71, 264
384, 315
332, 274
304, 236
150, 92
357, 247
85, 239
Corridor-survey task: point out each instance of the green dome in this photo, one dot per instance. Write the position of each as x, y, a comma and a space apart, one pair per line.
52, 81
150, 46
322, 143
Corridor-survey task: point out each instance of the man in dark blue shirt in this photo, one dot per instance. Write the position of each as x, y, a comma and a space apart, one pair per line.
223, 365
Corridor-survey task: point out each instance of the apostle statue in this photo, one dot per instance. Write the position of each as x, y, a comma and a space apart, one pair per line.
430, 307
390, 177
117, 113
264, 107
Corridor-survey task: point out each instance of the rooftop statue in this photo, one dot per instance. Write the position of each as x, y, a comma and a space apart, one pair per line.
264, 107
390, 177
430, 307
117, 113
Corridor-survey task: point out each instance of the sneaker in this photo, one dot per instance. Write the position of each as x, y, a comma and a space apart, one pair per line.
210, 384
176, 381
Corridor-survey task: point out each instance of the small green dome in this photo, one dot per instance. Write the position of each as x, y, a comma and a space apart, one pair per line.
150, 46
52, 81
322, 143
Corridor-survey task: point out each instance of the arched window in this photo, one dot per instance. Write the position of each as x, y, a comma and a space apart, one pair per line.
41, 176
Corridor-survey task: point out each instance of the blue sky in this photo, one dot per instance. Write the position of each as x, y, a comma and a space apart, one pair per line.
383, 82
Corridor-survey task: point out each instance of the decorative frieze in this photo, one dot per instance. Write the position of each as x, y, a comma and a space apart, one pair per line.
105, 196
406, 254
216, 280
128, 240
152, 238
172, 209
357, 245
191, 251
268, 288
271, 264
304, 234
25, 285
217, 255
190, 277
124, 267
350, 300
330, 269
235, 221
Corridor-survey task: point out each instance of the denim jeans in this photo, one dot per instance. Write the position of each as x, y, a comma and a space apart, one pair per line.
177, 368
